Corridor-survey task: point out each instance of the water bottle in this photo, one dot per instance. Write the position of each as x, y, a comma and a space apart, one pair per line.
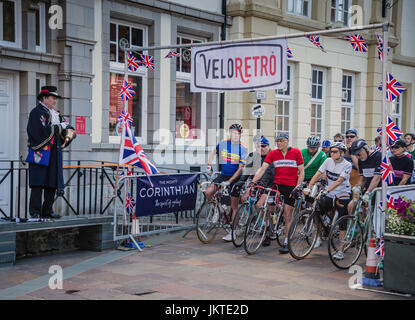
274, 218
314, 191
326, 219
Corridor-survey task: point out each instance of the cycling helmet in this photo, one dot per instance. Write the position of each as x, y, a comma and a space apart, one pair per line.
325, 144
236, 126
339, 145
261, 140
357, 146
313, 142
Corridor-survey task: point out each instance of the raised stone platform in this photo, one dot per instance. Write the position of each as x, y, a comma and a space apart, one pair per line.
95, 233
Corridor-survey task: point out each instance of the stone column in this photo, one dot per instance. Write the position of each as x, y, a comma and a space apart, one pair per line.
333, 105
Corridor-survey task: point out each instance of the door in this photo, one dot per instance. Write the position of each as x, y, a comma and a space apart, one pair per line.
9, 137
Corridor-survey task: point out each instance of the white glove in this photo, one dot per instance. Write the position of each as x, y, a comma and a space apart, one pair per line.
64, 125
306, 191
366, 197
323, 193
209, 169
356, 189
225, 183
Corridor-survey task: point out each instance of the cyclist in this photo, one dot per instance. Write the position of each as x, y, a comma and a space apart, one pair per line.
338, 174
325, 147
288, 173
351, 136
313, 158
232, 155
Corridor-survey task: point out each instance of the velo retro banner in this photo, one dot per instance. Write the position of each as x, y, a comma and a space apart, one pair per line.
169, 193
240, 67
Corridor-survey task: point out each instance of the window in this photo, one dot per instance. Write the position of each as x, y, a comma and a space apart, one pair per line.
347, 103
283, 107
10, 23
396, 111
340, 11
300, 7
190, 107
40, 28
136, 36
40, 82
317, 102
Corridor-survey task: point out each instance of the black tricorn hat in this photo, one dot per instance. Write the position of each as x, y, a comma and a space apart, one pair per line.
48, 91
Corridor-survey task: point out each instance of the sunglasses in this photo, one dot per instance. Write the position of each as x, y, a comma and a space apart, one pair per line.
349, 137
396, 147
334, 151
338, 140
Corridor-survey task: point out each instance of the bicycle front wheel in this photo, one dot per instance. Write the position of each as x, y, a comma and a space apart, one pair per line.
302, 234
207, 222
345, 247
239, 224
279, 232
255, 232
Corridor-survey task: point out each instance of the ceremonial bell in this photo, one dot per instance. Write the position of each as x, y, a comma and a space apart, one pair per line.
70, 134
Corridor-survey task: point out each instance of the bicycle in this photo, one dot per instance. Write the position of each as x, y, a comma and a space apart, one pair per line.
306, 226
213, 214
356, 236
261, 221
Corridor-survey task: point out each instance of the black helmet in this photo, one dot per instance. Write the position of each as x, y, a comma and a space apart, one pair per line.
357, 146
236, 126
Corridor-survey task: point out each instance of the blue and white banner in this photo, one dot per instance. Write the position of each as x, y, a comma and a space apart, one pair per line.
169, 193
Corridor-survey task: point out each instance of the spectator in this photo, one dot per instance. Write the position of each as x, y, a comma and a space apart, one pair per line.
351, 136
378, 144
410, 148
339, 138
402, 165
325, 147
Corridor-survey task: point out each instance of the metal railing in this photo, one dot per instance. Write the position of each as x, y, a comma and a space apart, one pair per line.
88, 189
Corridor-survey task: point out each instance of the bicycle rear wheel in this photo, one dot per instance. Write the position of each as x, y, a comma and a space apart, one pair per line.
207, 222
350, 246
239, 224
279, 232
302, 234
255, 232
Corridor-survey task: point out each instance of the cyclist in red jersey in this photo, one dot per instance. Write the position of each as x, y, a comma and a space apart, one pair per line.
289, 173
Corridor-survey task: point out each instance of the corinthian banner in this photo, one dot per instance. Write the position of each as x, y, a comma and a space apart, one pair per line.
240, 67
169, 193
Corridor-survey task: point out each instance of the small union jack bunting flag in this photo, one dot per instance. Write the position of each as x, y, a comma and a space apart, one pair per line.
133, 62
357, 42
289, 53
380, 249
129, 204
125, 117
127, 91
389, 202
393, 88
386, 171
172, 54
316, 41
147, 61
380, 47
392, 131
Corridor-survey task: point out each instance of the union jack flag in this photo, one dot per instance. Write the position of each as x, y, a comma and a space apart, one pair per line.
392, 131
127, 174
129, 204
289, 53
393, 88
147, 61
386, 171
380, 249
133, 62
380, 47
357, 42
389, 202
125, 117
316, 41
172, 54
132, 154
126, 91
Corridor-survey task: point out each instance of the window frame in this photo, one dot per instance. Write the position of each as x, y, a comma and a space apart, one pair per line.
119, 68
42, 28
336, 13
17, 26
186, 77
286, 98
398, 115
295, 8
348, 105
318, 101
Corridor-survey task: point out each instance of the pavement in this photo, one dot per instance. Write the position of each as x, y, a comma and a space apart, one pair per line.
174, 267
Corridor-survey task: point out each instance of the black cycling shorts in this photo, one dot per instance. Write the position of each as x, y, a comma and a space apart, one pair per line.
286, 191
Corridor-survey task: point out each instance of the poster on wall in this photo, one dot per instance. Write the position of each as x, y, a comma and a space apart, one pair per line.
243, 66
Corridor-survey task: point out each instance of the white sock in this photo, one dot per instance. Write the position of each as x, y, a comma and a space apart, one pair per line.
285, 241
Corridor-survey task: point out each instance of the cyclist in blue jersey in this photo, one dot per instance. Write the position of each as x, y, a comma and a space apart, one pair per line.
232, 155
